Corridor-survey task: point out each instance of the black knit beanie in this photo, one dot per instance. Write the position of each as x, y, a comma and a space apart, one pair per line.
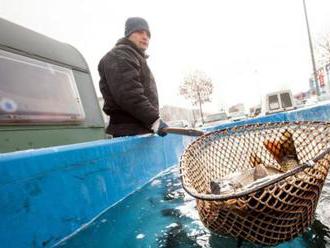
134, 24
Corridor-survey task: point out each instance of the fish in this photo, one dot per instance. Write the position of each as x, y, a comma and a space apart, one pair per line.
282, 149
231, 182
238, 180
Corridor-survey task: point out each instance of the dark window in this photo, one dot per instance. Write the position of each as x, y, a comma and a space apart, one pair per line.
33, 91
273, 102
286, 100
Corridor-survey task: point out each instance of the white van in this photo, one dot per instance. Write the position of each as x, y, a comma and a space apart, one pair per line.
279, 101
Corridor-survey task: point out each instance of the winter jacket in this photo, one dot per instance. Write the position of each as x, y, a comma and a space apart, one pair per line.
129, 90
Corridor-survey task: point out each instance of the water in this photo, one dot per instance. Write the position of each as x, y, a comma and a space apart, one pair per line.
161, 214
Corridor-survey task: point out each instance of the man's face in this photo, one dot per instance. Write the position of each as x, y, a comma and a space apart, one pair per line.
140, 39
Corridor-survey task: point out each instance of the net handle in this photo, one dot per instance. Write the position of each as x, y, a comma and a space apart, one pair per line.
308, 164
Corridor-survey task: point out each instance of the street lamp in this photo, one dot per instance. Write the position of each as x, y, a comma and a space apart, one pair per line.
312, 52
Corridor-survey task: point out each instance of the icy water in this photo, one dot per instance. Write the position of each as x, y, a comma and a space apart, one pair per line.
161, 214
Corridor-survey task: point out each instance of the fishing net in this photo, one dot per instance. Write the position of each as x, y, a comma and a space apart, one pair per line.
278, 208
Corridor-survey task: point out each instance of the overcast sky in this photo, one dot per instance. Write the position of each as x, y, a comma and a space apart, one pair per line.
247, 47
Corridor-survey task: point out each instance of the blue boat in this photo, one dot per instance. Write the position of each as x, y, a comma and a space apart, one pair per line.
58, 172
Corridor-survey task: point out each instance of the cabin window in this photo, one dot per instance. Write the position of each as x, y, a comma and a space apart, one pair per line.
286, 100
273, 102
32, 91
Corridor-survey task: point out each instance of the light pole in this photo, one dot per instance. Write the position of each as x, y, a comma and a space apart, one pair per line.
200, 104
312, 52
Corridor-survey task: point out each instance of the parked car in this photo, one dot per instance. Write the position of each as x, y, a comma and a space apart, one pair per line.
178, 123
255, 111
214, 119
237, 112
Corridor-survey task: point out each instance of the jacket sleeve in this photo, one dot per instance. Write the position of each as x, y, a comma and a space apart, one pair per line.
123, 78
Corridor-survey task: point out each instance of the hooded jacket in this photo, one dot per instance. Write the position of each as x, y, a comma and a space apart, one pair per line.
129, 90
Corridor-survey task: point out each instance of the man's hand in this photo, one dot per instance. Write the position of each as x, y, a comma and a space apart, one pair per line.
157, 127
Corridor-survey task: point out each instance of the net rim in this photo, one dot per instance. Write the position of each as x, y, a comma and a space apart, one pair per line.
249, 128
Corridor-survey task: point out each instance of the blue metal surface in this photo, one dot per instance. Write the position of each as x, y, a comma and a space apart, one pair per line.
316, 113
47, 194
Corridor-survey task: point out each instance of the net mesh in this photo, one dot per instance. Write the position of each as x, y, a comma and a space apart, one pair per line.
272, 214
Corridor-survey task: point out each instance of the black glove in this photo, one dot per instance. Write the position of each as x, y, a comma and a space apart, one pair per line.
157, 127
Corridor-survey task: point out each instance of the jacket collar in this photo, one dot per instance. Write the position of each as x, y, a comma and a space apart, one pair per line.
125, 41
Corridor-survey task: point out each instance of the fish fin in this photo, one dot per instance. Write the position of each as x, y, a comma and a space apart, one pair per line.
260, 172
273, 147
282, 147
287, 148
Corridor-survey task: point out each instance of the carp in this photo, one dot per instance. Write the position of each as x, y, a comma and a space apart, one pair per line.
232, 182
283, 152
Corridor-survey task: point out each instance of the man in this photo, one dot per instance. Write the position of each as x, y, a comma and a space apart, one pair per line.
128, 86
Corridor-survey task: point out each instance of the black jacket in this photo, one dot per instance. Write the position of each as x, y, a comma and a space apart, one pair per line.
129, 90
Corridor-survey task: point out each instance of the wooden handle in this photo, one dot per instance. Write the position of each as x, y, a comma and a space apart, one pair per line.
183, 131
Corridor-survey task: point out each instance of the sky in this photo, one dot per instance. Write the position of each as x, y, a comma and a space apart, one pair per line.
247, 47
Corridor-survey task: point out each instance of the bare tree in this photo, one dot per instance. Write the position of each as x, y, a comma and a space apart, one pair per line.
197, 87
323, 50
